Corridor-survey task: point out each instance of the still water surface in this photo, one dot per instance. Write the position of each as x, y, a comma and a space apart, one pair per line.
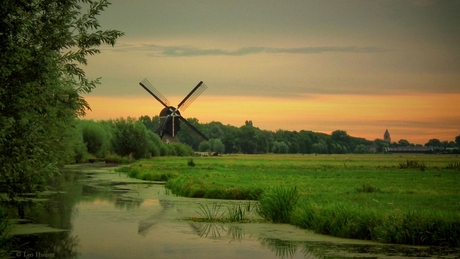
103, 214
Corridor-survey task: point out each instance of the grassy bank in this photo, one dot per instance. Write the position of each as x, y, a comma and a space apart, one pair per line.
388, 198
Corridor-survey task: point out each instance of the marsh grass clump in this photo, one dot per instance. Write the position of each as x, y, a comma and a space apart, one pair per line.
412, 164
191, 163
455, 165
211, 213
278, 203
138, 173
239, 212
367, 188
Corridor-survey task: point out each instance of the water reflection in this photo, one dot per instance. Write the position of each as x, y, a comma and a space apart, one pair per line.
318, 249
281, 248
217, 231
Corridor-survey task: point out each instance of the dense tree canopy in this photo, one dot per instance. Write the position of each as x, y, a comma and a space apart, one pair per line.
43, 44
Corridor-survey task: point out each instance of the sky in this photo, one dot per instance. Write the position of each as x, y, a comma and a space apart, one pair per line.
362, 66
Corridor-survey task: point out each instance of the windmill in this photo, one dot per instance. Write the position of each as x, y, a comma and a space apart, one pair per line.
170, 117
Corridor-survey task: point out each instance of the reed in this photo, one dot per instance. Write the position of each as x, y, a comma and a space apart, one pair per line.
277, 204
211, 213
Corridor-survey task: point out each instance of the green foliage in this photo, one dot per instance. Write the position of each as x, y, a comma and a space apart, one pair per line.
280, 147
41, 47
181, 149
5, 227
95, 138
337, 219
139, 173
130, 138
216, 145
191, 163
367, 188
239, 212
412, 164
204, 146
277, 204
419, 228
454, 165
360, 149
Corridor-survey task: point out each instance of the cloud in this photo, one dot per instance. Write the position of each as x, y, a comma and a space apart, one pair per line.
190, 51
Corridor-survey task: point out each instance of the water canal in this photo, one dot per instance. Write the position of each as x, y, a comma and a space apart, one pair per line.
99, 213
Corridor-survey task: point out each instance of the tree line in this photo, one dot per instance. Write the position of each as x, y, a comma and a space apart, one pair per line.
140, 135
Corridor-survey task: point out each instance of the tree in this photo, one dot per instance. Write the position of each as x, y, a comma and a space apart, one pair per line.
204, 146
434, 142
360, 149
403, 143
217, 146
457, 140
43, 43
95, 138
130, 138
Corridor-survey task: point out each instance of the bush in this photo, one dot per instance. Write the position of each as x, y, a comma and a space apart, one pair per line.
277, 204
130, 137
95, 138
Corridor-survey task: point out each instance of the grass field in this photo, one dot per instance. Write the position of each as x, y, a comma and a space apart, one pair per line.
409, 199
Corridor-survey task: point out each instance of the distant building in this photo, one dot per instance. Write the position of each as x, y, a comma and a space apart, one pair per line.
423, 150
386, 136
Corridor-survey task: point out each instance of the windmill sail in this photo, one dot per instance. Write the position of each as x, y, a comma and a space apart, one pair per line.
192, 96
154, 92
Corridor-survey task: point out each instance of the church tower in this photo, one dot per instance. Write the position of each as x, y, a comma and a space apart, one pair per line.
386, 136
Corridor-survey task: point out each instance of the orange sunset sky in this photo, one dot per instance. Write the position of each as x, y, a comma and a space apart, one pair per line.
359, 66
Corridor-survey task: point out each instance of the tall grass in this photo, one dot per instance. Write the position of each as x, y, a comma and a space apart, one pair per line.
419, 228
411, 227
277, 204
337, 220
211, 213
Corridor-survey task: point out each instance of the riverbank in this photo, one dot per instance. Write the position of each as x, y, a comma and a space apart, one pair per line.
402, 199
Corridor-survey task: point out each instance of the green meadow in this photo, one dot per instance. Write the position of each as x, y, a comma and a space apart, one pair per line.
406, 199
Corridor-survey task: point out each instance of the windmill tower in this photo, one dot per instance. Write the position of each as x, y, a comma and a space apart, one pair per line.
170, 117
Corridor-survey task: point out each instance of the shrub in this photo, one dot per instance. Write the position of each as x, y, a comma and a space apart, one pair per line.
277, 204
95, 138
191, 163
130, 137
